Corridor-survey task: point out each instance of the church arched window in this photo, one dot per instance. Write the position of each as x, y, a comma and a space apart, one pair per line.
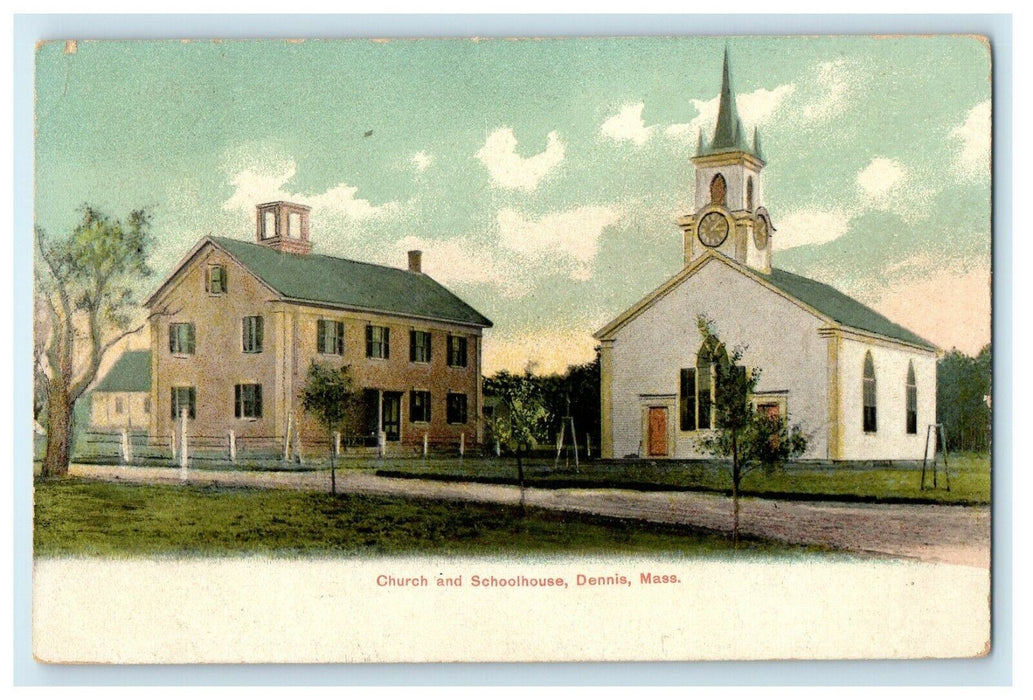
749, 194
718, 189
868, 394
911, 399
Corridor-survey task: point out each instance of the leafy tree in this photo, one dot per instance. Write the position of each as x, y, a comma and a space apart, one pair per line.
749, 438
84, 306
963, 389
330, 396
522, 419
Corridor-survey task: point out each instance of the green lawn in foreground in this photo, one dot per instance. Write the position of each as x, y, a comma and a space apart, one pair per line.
101, 518
969, 478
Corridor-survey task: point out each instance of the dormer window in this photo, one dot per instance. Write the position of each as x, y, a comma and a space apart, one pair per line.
283, 226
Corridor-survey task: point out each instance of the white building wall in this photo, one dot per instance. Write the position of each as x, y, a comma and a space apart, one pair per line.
782, 340
891, 441
135, 410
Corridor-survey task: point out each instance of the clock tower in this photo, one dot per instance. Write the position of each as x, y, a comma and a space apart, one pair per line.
728, 215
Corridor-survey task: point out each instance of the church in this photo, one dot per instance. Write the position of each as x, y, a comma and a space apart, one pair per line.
860, 386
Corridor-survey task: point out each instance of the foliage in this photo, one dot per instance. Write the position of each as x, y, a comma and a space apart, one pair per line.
84, 306
963, 389
522, 418
330, 396
574, 393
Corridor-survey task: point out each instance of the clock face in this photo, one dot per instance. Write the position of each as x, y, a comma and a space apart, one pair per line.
760, 232
713, 229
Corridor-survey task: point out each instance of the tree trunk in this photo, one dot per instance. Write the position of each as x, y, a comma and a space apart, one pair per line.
520, 477
333, 467
59, 433
736, 477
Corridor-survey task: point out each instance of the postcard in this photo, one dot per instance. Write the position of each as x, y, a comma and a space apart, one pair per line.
568, 349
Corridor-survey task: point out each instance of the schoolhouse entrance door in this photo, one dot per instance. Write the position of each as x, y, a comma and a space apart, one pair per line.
657, 432
392, 416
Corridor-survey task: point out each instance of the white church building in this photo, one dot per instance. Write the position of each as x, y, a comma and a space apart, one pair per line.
860, 386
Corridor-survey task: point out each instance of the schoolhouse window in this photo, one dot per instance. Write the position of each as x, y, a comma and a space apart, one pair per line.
252, 334
718, 189
181, 338
378, 342
456, 408
868, 392
912, 400
248, 401
419, 346
687, 399
419, 406
216, 279
456, 351
183, 397
330, 337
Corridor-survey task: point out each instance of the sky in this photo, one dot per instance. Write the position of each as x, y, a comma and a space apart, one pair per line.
541, 178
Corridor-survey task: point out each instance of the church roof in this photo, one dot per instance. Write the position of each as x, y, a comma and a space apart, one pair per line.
844, 310
819, 298
323, 279
729, 136
131, 372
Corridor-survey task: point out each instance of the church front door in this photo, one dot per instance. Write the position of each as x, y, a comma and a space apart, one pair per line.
657, 432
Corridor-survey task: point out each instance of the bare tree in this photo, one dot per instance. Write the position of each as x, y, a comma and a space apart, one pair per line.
84, 306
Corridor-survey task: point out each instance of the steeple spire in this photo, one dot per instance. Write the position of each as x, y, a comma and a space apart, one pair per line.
726, 132
729, 134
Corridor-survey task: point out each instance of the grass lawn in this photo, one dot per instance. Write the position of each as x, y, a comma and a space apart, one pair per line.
76, 517
969, 478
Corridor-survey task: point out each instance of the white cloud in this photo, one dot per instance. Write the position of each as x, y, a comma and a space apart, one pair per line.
833, 84
510, 170
267, 183
452, 261
810, 227
879, 178
421, 160
973, 160
755, 109
628, 125
571, 235
889, 185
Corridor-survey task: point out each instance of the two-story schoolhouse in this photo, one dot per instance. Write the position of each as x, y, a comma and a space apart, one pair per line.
237, 324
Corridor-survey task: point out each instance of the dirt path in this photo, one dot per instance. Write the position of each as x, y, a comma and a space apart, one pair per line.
951, 534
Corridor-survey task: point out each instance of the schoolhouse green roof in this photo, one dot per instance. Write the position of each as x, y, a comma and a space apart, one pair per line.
323, 279
131, 372
839, 307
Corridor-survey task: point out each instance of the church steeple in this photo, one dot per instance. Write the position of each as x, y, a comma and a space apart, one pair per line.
729, 216
728, 132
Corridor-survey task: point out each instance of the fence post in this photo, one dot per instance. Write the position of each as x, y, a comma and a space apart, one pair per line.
588, 444
233, 447
498, 448
381, 443
172, 443
425, 446
462, 445
184, 447
337, 444
287, 438
125, 446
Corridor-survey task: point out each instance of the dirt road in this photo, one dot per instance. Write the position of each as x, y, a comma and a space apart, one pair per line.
951, 534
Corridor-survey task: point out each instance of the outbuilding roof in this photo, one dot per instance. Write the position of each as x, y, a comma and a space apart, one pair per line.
131, 372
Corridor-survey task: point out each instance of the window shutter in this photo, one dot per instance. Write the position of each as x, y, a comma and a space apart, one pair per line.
339, 337
172, 337
192, 394
223, 279
429, 344
258, 400
369, 341
259, 331
320, 335
387, 342
208, 278
190, 335
236, 401
412, 346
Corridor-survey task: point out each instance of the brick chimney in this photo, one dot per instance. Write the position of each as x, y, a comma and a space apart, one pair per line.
415, 261
283, 226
